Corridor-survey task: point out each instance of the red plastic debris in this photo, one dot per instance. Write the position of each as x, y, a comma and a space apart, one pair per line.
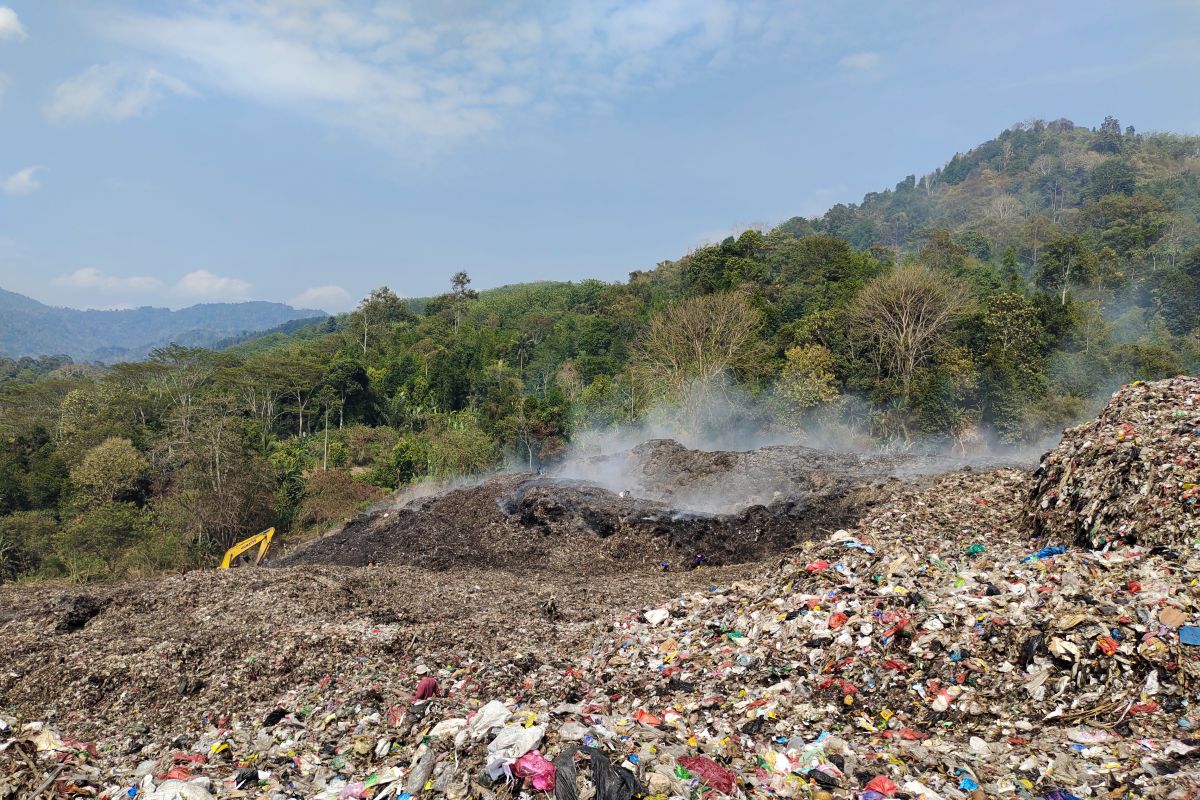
542, 772
646, 718
710, 772
882, 784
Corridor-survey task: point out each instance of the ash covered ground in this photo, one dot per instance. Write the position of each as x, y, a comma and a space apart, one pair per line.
658, 502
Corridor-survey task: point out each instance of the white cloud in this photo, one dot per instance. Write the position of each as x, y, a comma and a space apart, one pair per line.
861, 62
112, 291
325, 298
204, 285
11, 28
92, 278
112, 92
23, 181
404, 72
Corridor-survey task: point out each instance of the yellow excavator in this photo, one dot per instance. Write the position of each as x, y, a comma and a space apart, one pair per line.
263, 540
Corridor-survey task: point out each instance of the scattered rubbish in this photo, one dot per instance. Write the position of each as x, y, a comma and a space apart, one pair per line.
899, 657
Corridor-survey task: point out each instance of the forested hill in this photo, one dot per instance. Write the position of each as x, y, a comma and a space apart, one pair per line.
30, 328
994, 300
1032, 177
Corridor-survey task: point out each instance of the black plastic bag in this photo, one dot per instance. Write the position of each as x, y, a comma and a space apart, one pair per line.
612, 783
566, 786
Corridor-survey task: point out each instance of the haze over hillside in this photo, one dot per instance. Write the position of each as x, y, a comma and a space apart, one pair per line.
30, 328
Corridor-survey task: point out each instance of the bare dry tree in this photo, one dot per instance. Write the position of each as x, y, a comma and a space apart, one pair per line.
1004, 207
699, 340
902, 316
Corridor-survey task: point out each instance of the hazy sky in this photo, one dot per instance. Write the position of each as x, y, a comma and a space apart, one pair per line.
172, 152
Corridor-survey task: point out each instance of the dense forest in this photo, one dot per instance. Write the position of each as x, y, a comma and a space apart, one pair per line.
988, 303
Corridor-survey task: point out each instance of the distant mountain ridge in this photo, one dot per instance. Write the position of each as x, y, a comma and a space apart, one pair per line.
31, 328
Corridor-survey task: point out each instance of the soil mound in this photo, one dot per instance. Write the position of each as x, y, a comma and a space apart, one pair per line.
1129, 475
659, 502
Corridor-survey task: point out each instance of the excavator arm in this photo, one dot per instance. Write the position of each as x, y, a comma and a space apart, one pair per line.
263, 540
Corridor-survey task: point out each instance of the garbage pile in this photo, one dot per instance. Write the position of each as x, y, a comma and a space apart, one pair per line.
1133, 474
932, 651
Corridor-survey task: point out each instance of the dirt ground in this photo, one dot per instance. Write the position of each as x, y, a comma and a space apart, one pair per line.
151, 658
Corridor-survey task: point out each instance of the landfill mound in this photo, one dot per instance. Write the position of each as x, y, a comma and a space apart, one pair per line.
657, 503
930, 651
1129, 475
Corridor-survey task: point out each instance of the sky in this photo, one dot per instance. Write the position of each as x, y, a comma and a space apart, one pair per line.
308, 151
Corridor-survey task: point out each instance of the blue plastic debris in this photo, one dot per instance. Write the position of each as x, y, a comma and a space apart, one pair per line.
1046, 552
1190, 634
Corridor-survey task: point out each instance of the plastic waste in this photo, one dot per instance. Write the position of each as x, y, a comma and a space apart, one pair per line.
710, 772
566, 775
492, 715
534, 766
611, 783
512, 742
1046, 552
179, 790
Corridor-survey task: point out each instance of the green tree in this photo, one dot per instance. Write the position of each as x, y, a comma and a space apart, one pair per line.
376, 313
1011, 377
1108, 139
1111, 176
462, 449
26, 540
807, 381
110, 471
1068, 261
942, 253
90, 544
